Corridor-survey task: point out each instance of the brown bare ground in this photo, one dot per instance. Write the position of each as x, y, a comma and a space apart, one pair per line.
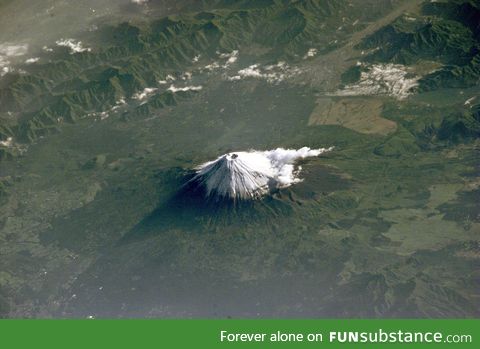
359, 114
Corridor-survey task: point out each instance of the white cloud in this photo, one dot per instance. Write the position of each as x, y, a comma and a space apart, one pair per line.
226, 60
310, 53
230, 57
382, 79
8, 52
187, 76
73, 45
32, 60
184, 89
106, 113
251, 174
8, 143
167, 79
147, 92
271, 73
11, 50
13, 146
469, 101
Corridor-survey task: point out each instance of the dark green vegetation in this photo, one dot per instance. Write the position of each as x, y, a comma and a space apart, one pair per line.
444, 32
131, 58
93, 217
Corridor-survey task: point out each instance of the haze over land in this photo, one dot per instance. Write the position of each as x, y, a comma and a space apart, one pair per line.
107, 109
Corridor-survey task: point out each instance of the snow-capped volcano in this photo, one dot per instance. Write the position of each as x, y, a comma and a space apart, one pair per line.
252, 174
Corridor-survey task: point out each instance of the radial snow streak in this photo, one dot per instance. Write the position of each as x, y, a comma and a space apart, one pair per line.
252, 174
